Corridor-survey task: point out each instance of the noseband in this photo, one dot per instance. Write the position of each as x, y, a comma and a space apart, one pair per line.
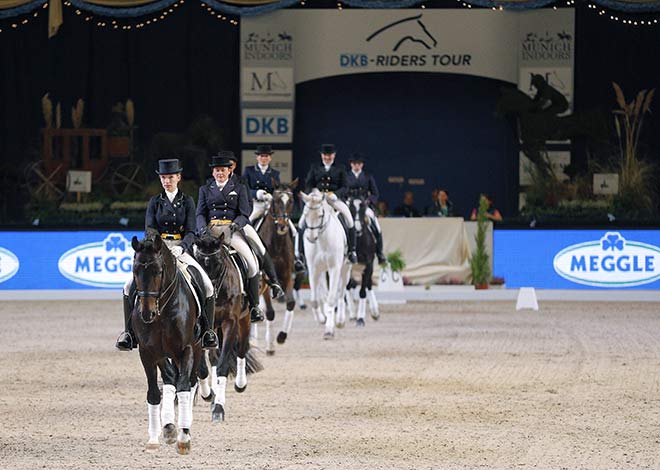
322, 226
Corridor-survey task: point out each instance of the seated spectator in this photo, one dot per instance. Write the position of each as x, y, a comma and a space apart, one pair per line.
492, 213
442, 206
381, 209
407, 209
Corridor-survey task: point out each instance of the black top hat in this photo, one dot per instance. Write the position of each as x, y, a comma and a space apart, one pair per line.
169, 166
264, 150
223, 158
328, 148
357, 157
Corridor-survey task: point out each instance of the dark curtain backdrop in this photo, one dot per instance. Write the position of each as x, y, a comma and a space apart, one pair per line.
188, 65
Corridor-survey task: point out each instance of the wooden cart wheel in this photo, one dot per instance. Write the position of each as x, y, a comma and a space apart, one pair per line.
42, 185
128, 178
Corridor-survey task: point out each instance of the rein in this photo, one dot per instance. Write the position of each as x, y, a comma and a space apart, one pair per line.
322, 226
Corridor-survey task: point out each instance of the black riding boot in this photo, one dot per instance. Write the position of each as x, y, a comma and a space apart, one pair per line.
209, 338
352, 242
127, 339
268, 267
253, 299
379, 245
299, 263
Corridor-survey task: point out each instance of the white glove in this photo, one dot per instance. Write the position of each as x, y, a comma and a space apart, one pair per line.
176, 251
261, 194
331, 197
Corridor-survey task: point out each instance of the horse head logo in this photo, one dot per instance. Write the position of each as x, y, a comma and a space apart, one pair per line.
410, 29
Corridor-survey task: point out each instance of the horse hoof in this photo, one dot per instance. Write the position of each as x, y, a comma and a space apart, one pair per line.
239, 389
328, 335
169, 434
359, 322
152, 446
217, 413
270, 352
183, 448
340, 325
375, 317
281, 337
210, 398
303, 306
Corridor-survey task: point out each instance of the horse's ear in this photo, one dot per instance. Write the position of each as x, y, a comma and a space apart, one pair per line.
158, 243
135, 243
304, 197
294, 184
221, 238
274, 182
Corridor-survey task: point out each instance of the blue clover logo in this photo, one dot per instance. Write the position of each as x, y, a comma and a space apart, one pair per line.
612, 241
115, 243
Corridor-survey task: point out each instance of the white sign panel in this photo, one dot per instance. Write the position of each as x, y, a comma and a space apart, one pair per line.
267, 84
79, 181
559, 160
611, 261
9, 264
106, 263
606, 183
282, 161
267, 125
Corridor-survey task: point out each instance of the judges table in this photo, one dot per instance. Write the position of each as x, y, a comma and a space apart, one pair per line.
435, 249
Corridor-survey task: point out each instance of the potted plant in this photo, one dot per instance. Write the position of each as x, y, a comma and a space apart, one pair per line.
479, 264
390, 274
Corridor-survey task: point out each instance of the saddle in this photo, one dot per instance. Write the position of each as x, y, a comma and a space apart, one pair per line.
194, 281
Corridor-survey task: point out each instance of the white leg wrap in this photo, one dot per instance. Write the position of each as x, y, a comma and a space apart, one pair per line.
219, 388
362, 308
167, 410
288, 321
205, 386
329, 319
270, 338
185, 410
241, 377
351, 307
154, 423
254, 332
373, 302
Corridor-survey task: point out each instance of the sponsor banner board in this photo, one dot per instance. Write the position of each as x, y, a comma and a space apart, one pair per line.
266, 125
66, 260
578, 259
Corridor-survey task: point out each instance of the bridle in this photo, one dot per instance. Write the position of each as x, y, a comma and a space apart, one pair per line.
281, 220
169, 290
322, 226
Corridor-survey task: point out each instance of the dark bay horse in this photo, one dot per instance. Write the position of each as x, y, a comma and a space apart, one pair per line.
164, 319
275, 231
366, 253
232, 322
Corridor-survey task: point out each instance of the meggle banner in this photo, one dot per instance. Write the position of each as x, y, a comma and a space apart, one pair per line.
578, 259
332, 42
65, 260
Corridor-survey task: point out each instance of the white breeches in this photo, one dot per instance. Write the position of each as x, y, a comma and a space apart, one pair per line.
372, 216
342, 208
240, 245
254, 237
259, 207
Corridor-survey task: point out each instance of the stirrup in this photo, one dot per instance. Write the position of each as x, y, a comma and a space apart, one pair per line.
256, 315
352, 257
209, 340
124, 341
276, 291
299, 266
381, 258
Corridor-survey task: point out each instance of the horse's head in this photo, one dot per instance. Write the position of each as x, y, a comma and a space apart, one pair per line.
209, 253
149, 265
358, 206
283, 205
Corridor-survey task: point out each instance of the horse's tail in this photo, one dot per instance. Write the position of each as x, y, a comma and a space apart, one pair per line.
252, 364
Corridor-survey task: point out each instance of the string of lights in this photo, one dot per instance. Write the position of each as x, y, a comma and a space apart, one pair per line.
17, 23
126, 24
